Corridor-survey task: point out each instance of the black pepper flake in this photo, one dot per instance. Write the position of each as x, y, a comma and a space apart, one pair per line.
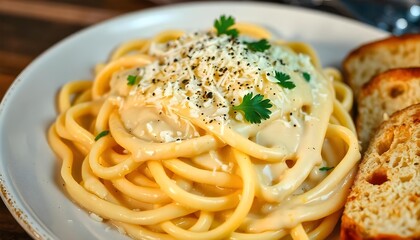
268, 74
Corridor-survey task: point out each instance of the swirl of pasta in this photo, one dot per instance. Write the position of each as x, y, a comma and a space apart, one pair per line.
153, 146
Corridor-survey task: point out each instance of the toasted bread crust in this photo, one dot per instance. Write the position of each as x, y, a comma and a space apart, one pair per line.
395, 75
382, 96
385, 42
375, 57
384, 202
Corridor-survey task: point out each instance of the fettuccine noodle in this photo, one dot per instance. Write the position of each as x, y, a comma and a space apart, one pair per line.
167, 156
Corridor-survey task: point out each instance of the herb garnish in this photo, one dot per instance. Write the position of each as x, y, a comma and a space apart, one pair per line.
325, 168
223, 26
254, 108
306, 76
283, 80
259, 46
131, 80
101, 134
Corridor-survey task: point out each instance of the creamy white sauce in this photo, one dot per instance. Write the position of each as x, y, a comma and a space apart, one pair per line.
207, 75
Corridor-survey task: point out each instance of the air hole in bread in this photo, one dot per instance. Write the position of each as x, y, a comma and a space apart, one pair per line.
396, 91
378, 177
406, 178
290, 163
414, 198
396, 162
385, 144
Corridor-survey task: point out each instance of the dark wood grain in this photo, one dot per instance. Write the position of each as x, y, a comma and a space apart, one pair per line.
28, 28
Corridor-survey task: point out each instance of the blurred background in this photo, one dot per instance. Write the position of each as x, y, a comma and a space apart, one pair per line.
29, 27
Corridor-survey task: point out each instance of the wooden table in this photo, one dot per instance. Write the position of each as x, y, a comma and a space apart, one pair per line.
29, 27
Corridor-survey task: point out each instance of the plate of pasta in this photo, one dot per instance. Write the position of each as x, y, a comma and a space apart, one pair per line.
224, 120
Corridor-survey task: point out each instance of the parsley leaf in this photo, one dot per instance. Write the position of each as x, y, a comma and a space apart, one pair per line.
254, 108
101, 134
131, 80
325, 168
259, 46
223, 26
283, 80
306, 76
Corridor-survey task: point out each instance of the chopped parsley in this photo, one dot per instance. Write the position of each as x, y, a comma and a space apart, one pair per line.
325, 168
131, 80
258, 46
224, 25
255, 108
283, 80
101, 134
306, 76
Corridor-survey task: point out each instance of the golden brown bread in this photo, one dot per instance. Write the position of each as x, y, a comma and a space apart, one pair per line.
384, 202
382, 96
375, 57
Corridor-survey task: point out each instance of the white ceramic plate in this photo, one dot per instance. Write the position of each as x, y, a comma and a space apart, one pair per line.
29, 172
